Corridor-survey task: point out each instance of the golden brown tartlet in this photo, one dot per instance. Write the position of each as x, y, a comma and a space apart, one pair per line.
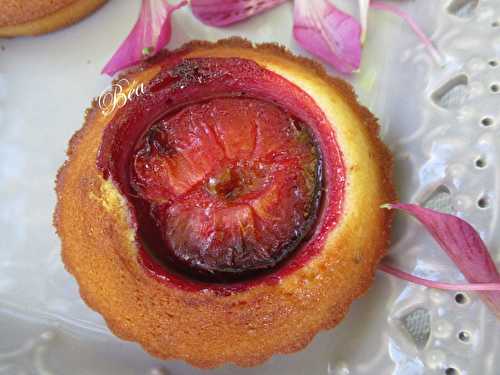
248, 325
34, 17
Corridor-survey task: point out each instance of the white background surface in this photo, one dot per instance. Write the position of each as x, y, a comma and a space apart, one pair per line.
47, 82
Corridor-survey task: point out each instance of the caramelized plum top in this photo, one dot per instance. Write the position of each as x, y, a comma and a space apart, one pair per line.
232, 184
232, 174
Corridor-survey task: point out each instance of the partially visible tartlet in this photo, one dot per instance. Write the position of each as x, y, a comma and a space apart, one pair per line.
231, 209
34, 17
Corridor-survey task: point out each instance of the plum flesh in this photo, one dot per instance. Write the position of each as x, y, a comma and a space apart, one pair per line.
232, 184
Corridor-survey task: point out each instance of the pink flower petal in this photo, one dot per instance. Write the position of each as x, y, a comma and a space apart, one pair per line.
477, 287
150, 34
414, 26
463, 245
222, 13
328, 33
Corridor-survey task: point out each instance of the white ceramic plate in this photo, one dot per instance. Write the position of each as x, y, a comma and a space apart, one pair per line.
47, 82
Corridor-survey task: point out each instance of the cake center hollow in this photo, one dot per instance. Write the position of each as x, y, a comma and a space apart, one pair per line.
231, 185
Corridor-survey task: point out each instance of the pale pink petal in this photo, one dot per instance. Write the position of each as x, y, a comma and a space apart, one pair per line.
327, 32
149, 35
222, 13
463, 245
414, 26
363, 17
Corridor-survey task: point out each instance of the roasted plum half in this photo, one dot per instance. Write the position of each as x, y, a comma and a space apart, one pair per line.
232, 185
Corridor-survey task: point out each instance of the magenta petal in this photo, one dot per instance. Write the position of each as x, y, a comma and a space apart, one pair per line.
222, 13
328, 33
150, 33
474, 287
463, 245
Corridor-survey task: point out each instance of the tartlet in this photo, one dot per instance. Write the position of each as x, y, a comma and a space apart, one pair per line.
130, 194
34, 17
